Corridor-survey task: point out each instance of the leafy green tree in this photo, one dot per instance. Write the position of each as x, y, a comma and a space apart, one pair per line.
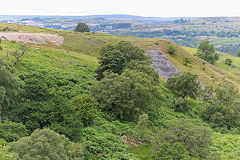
125, 96
195, 139
11, 131
85, 107
143, 66
207, 52
228, 61
43, 144
184, 84
223, 109
167, 151
142, 129
114, 58
8, 89
82, 27
181, 105
171, 49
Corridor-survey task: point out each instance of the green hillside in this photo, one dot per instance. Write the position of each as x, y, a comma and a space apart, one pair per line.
58, 89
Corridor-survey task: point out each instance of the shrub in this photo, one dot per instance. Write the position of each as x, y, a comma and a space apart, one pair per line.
11, 131
82, 27
184, 84
228, 61
171, 49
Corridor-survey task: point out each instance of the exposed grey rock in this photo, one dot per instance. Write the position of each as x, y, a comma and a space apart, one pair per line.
162, 64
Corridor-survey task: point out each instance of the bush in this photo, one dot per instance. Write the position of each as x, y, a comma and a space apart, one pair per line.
228, 61
11, 131
187, 61
125, 96
195, 139
45, 144
171, 49
114, 58
184, 85
82, 27
207, 52
181, 105
167, 151
85, 107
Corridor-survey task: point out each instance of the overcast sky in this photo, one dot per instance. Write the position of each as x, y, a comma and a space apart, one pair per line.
153, 8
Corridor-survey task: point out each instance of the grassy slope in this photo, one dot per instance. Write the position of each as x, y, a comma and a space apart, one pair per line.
80, 59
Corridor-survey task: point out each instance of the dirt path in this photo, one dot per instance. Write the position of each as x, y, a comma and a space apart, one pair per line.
162, 64
34, 38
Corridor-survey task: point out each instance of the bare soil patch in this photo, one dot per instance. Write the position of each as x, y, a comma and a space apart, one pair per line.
34, 38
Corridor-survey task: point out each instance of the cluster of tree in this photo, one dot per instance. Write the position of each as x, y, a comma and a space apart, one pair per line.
50, 118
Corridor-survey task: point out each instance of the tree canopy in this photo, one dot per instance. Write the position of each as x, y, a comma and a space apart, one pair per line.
184, 84
114, 58
82, 27
207, 52
8, 89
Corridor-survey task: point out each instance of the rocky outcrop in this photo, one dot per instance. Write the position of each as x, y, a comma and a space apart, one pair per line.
162, 64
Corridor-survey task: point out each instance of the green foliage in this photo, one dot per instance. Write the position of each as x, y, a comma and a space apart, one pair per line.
104, 141
187, 61
184, 84
45, 144
85, 107
82, 27
114, 58
207, 52
125, 96
228, 61
195, 139
171, 49
226, 146
143, 66
11, 131
238, 53
142, 130
6, 153
223, 110
167, 151
8, 89
181, 105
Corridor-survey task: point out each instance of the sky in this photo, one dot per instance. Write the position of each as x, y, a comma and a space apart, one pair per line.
146, 8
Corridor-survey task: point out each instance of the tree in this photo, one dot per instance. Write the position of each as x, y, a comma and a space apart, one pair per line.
207, 52
228, 61
142, 128
167, 151
44, 144
238, 53
114, 58
82, 27
11, 131
223, 110
171, 49
184, 84
85, 107
195, 139
8, 89
124, 96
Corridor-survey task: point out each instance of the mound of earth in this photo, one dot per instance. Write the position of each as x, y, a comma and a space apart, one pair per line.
34, 38
162, 64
